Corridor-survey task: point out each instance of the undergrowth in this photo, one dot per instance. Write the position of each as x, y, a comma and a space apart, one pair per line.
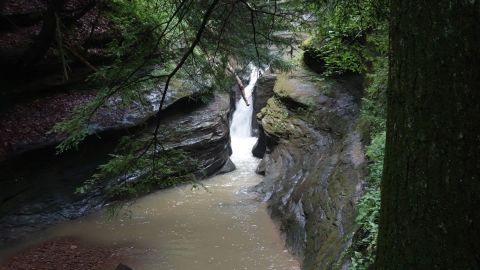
352, 37
140, 169
372, 123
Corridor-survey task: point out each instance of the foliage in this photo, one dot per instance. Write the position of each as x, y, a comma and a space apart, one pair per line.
374, 102
342, 39
373, 115
369, 206
335, 55
139, 170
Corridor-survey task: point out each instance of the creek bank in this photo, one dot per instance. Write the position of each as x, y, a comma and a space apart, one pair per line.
66, 253
313, 164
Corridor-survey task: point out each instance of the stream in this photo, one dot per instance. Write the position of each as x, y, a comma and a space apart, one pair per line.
222, 226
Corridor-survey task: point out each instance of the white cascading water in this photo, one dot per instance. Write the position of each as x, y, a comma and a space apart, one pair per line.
241, 127
242, 117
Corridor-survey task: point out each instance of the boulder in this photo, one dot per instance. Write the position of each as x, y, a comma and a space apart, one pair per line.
229, 166
203, 132
260, 146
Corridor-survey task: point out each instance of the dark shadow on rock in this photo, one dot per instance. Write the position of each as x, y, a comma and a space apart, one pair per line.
123, 267
229, 166
260, 146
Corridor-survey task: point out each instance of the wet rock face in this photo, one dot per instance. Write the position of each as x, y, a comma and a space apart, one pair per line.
263, 91
37, 188
203, 133
260, 146
313, 166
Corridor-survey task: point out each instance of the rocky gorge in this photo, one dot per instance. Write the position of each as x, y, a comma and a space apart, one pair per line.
311, 151
312, 158
239, 134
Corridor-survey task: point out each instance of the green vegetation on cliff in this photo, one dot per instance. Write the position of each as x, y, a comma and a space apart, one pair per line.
347, 35
353, 37
372, 123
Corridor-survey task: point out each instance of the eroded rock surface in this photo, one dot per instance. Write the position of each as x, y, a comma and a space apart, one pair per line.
313, 165
203, 132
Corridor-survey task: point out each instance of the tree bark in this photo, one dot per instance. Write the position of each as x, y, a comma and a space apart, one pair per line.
430, 216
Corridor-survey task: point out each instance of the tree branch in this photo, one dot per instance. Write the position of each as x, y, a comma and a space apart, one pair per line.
239, 82
252, 22
200, 31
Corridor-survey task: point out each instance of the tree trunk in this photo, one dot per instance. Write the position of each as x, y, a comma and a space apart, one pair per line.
430, 216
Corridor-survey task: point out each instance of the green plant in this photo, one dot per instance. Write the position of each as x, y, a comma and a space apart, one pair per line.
369, 206
347, 34
373, 116
338, 55
141, 168
374, 102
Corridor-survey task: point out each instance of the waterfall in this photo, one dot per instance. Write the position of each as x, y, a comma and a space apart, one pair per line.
241, 127
242, 117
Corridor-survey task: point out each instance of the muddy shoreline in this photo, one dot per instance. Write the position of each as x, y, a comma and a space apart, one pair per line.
65, 253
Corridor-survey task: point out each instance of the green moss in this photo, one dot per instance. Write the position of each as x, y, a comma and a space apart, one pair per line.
282, 123
274, 118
